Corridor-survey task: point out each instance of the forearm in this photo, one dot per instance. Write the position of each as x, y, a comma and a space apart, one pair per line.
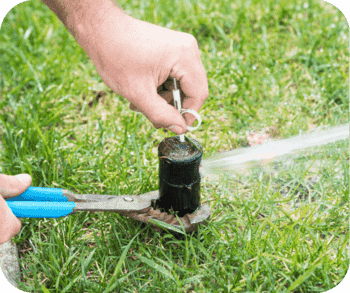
83, 17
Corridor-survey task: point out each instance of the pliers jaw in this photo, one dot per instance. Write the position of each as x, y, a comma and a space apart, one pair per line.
189, 222
37, 202
139, 207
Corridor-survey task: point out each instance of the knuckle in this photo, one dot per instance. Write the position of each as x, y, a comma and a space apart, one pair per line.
189, 42
192, 40
205, 94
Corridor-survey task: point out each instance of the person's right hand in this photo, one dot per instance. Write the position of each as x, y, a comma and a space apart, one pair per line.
11, 186
140, 60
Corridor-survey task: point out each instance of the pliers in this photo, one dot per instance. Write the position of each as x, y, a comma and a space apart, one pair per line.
40, 202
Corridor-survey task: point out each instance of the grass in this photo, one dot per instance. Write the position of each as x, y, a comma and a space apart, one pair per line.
269, 63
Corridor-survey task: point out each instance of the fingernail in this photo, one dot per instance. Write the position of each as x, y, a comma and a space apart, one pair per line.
176, 129
24, 178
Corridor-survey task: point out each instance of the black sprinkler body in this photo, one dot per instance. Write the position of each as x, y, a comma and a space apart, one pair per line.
179, 177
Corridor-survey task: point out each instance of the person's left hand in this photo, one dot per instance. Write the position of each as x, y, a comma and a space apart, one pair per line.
11, 186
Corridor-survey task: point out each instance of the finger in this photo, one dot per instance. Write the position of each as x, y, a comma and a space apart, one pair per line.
196, 90
11, 186
160, 113
194, 84
10, 225
166, 95
169, 97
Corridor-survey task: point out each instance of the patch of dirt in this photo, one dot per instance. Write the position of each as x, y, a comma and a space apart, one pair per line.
267, 134
100, 95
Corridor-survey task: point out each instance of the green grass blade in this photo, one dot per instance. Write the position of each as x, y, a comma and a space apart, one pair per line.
45, 290
305, 276
44, 140
118, 268
157, 267
191, 141
71, 283
167, 226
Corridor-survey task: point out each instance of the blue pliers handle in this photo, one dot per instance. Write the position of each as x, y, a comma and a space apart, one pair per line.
40, 202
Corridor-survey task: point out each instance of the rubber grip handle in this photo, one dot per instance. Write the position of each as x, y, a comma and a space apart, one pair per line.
32, 209
40, 194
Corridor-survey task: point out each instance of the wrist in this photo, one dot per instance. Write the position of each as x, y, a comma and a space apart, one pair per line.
82, 18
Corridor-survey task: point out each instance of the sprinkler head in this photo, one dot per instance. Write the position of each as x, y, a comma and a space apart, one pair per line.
179, 177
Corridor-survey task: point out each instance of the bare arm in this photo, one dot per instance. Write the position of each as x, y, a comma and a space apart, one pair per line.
83, 17
135, 59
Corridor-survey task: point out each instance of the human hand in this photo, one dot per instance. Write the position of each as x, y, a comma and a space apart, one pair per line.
139, 60
11, 186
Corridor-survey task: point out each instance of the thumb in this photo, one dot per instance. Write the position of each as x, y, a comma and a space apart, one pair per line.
161, 114
11, 186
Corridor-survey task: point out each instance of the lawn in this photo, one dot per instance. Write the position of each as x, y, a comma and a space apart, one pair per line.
269, 63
